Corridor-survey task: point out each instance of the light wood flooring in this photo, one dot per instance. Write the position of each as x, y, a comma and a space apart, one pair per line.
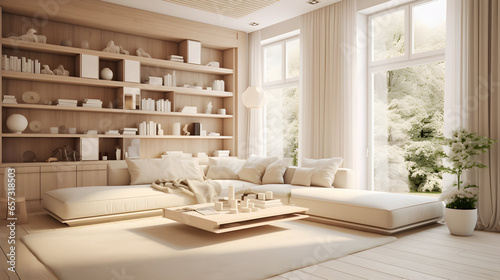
426, 253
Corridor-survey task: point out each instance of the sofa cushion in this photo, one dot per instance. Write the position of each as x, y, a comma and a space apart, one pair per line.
378, 209
275, 171
324, 170
254, 168
302, 176
146, 171
224, 168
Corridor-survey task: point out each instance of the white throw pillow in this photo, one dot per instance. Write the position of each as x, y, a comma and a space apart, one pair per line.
324, 170
254, 168
146, 171
302, 176
224, 168
187, 168
275, 171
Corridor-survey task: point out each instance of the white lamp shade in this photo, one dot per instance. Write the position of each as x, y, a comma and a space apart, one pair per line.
253, 97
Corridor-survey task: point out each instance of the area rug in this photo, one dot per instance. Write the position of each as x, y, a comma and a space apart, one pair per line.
158, 248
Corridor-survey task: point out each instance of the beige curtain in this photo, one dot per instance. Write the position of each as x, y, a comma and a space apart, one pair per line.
328, 51
477, 59
255, 143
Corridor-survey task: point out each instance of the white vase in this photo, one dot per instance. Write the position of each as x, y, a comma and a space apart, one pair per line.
460, 221
16, 123
106, 74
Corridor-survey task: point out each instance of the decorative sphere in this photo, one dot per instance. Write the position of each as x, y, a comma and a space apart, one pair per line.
106, 74
17, 123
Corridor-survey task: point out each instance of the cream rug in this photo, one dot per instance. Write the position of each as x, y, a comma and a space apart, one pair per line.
157, 248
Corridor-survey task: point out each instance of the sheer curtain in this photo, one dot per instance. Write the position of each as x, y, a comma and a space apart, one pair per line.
474, 92
328, 51
255, 143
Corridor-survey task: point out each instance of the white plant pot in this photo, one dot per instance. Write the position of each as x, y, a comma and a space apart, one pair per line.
460, 221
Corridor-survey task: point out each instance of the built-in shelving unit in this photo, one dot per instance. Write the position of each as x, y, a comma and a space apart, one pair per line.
36, 175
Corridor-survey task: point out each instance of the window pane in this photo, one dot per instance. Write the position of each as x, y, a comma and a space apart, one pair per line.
282, 122
429, 26
408, 108
273, 63
292, 59
388, 35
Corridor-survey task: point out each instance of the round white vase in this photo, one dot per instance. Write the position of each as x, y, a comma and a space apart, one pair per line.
460, 221
17, 123
106, 74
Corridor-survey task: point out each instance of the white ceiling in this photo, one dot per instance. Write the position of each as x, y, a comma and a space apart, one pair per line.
280, 11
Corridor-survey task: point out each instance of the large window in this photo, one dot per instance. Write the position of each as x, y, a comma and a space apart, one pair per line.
281, 86
406, 72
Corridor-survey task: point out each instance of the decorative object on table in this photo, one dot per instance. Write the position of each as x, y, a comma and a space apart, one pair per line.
29, 156
10, 99
111, 48
142, 53
106, 74
85, 44
89, 148
30, 36
176, 129
17, 123
213, 64
87, 66
218, 85
66, 43
253, 97
460, 212
221, 111
31, 97
46, 70
191, 51
35, 126
185, 130
209, 108
160, 130
60, 71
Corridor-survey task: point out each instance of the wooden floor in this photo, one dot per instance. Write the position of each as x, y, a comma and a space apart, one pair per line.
425, 253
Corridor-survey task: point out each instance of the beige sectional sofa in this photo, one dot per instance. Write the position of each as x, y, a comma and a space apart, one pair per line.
341, 205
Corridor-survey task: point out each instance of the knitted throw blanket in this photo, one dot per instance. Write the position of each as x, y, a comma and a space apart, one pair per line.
203, 191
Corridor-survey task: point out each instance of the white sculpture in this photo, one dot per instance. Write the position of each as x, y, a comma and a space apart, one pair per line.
142, 53
122, 51
106, 74
46, 70
60, 71
209, 108
112, 48
185, 130
31, 37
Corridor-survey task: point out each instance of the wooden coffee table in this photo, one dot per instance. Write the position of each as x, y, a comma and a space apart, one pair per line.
225, 222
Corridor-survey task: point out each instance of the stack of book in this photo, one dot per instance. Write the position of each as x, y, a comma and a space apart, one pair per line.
221, 153
268, 203
13, 63
93, 103
129, 131
155, 81
163, 105
178, 58
189, 110
10, 99
169, 80
66, 102
147, 128
112, 132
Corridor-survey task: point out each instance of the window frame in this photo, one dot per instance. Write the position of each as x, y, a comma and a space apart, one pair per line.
407, 60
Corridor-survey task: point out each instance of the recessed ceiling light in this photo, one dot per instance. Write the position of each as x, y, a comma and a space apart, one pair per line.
253, 24
313, 2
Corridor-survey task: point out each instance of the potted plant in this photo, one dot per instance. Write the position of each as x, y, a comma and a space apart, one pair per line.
460, 212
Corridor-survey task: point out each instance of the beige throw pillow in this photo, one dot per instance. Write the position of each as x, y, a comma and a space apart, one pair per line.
275, 171
224, 168
146, 171
187, 168
302, 176
254, 168
324, 170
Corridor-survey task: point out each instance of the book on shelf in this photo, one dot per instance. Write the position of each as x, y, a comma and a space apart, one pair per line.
10, 99
112, 132
221, 153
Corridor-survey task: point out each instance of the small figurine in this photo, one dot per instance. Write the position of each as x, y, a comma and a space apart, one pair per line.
209, 108
140, 52
122, 51
111, 48
60, 71
31, 37
185, 130
46, 70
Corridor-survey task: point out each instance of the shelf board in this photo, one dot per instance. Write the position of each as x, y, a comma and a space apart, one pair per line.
63, 50
113, 84
48, 135
107, 110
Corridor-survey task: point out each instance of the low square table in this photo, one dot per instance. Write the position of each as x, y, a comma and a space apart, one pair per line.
225, 222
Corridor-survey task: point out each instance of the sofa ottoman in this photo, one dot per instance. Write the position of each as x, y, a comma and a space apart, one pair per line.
379, 212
